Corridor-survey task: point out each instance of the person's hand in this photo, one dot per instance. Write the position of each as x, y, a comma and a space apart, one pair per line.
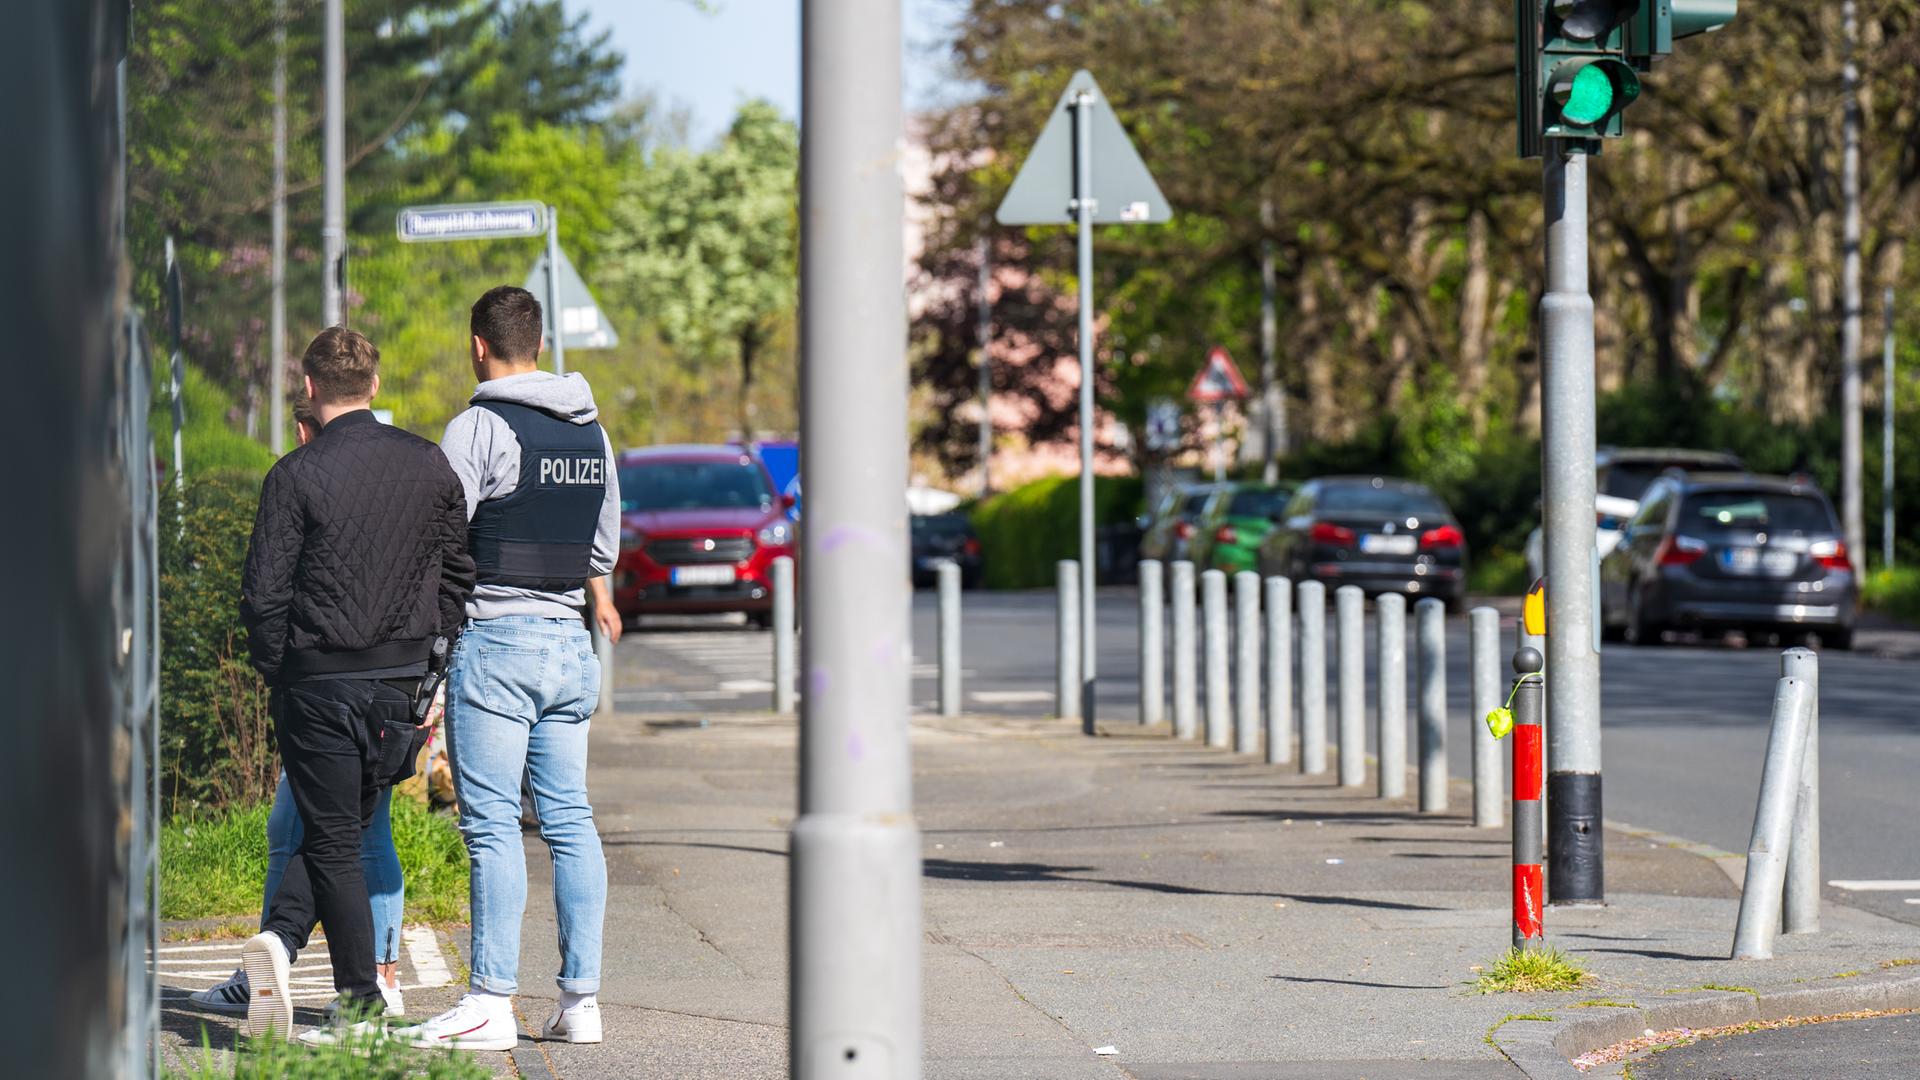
608, 620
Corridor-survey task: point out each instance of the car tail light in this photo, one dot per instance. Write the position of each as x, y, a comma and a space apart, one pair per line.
1677, 550
1225, 535
1183, 531
1446, 536
970, 546
1831, 554
1325, 532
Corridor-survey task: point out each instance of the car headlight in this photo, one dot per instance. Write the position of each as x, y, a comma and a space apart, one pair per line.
778, 534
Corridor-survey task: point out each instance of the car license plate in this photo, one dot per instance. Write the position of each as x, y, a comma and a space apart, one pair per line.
1747, 560
704, 575
1382, 544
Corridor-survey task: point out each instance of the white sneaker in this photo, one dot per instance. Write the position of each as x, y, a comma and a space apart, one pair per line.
228, 998
360, 1035
580, 1024
469, 1025
269, 1005
396, 1006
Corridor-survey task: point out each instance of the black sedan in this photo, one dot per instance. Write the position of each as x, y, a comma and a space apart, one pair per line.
1382, 534
941, 538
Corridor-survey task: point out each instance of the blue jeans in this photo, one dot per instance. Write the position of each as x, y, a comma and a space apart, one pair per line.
519, 697
386, 889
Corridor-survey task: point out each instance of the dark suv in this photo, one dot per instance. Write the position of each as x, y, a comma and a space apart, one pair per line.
1730, 551
700, 527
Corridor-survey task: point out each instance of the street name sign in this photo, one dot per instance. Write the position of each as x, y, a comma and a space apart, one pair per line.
1124, 192
1218, 381
471, 221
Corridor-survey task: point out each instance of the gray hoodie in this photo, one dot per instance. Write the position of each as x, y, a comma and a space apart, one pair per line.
486, 457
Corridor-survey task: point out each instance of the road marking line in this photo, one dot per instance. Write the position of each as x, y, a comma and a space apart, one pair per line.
429, 963
1876, 886
1010, 697
746, 686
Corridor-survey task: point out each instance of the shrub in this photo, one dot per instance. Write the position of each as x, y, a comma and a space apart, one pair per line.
1025, 531
1894, 592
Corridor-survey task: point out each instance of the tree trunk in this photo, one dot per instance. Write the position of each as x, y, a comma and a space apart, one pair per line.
749, 352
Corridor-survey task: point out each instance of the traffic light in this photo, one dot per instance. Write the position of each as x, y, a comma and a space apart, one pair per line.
1572, 73
1654, 29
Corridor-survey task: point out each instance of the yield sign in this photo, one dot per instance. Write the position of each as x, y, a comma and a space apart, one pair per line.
1123, 190
1218, 381
581, 324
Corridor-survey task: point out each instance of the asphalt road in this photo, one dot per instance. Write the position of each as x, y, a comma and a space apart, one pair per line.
1885, 1046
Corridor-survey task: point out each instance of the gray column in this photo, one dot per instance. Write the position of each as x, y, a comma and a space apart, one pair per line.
1801, 909
333, 164
854, 987
1153, 646
277, 309
603, 652
1311, 597
786, 685
1350, 659
1186, 720
1246, 662
1483, 651
1066, 640
1430, 624
1083, 236
1390, 611
949, 638
556, 340
1760, 894
1279, 610
1213, 603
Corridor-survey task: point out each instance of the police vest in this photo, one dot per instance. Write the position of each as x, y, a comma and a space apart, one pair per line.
540, 535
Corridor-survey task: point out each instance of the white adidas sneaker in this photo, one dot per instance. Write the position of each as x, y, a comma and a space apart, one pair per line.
269, 1005
469, 1025
580, 1024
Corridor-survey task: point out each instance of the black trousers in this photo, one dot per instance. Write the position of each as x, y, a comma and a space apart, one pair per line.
331, 744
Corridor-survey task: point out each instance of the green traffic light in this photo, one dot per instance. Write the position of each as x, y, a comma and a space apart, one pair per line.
1590, 98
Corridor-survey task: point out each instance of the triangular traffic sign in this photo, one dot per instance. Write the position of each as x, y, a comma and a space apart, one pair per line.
1218, 381
1123, 190
581, 324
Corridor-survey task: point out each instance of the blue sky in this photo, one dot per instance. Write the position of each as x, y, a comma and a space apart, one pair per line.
711, 61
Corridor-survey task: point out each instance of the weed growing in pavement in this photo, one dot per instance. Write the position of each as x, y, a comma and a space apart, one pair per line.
1510, 1018
1603, 1003
1904, 962
370, 1056
1523, 971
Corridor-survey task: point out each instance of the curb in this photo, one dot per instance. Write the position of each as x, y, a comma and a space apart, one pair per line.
1545, 1050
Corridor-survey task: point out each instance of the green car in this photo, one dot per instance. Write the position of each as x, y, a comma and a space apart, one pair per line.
1234, 526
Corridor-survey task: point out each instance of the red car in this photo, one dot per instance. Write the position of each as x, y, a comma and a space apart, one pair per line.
700, 527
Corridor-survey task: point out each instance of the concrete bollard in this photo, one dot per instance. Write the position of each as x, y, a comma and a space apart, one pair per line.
1430, 627
949, 638
1311, 596
1153, 647
603, 652
1350, 660
1066, 640
1760, 895
1390, 610
1483, 652
1801, 910
1213, 607
1186, 718
1279, 608
1246, 662
786, 652
1529, 809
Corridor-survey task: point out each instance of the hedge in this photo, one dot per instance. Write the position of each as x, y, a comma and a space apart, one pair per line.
1025, 531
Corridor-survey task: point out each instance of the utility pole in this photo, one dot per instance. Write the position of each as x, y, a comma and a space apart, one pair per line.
277, 321
1273, 396
983, 340
1851, 512
1083, 208
333, 227
1886, 440
555, 343
855, 930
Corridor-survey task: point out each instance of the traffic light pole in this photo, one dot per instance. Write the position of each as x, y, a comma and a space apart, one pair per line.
1083, 207
1575, 868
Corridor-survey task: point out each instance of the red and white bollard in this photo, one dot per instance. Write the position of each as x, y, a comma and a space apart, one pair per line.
1529, 812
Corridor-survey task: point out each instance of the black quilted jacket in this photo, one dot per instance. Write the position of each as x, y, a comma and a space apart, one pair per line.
359, 554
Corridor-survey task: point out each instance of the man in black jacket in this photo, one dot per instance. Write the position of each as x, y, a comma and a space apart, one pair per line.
358, 562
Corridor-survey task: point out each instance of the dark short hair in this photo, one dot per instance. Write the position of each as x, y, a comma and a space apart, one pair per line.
303, 414
508, 319
342, 364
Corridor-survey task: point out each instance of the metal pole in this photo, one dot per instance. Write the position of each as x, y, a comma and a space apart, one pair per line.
1084, 208
1430, 662
1246, 662
1483, 665
1390, 610
1273, 395
603, 652
1066, 640
1801, 910
1887, 402
1529, 816
1279, 609
1153, 646
949, 638
333, 162
1567, 451
277, 317
786, 684
1851, 509
1213, 605
855, 983
983, 341
1311, 597
177, 374
556, 337
1185, 693
1350, 659
1760, 893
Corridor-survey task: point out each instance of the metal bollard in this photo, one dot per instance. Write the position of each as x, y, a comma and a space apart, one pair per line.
1185, 692
603, 652
1390, 609
1801, 910
949, 638
1066, 640
1279, 608
1246, 662
1312, 600
1760, 895
1213, 605
1350, 652
1153, 647
786, 685
1430, 627
1529, 812
1483, 660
